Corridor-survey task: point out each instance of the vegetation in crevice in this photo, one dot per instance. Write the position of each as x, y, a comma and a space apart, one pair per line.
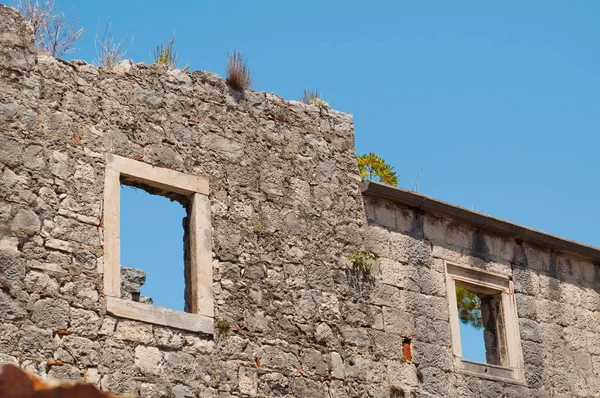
363, 261
223, 327
238, 74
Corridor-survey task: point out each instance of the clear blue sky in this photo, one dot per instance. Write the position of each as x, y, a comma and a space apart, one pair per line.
498, 103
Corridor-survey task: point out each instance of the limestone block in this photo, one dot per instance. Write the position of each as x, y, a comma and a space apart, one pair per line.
364, 369
134, 331
12, 269
324, 334
11, 308
51, 313
40, 282
392, 272
84, 351
336, 365
277, 359
274, 384
33, 157
248, 381
8, 338
148, 360
25, 223
11, 152
179, 366
85, 323
35, 343
9, 244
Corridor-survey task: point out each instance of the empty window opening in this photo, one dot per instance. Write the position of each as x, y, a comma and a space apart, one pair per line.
481, 325
153, 247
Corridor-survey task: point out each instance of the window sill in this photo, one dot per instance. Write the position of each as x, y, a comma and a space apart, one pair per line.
487, 371
160, 316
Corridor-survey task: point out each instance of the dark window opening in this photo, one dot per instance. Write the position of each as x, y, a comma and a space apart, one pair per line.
481, 325
154, 247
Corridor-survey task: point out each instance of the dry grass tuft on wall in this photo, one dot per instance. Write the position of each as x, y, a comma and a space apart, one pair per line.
238, 74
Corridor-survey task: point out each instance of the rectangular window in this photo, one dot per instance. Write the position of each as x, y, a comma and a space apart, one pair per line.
484, 324
122, 285
152, 236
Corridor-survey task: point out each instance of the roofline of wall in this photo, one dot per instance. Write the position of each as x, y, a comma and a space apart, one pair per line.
478, 220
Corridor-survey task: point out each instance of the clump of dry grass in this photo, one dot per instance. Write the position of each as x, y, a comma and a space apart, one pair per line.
111, 52
238, 74
309, 95
164, 55
53, 34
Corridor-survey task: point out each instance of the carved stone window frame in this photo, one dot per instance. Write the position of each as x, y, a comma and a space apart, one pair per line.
493, 284
195, 190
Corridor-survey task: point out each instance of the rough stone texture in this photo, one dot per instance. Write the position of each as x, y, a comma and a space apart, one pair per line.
557, 299
286, 213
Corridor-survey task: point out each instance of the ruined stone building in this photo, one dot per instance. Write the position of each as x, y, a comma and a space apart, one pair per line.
274, 209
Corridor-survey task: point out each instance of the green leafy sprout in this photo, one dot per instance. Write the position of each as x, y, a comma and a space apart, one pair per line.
363, 261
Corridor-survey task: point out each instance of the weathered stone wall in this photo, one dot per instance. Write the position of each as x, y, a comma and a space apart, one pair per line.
557, 298
286, 213
285, 167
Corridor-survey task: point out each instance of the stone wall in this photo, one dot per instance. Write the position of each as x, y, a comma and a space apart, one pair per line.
557, 298
287, 211
285, 166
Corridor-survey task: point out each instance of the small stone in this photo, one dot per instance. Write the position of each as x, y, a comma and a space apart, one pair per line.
84, 323
5, 209
33, 157
9, 244
26, 222
35, 343
83, 350
150, 390
181, 391
248, 381
51, 313
12, 270
10, 152
60, 245
337, 366
8, 338
8, 111
65, 372
92, 376
323, 334
10, 308
40, 282
134, 331
108, 327
148, 359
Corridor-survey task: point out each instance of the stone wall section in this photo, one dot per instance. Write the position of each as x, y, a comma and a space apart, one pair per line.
286, 213
557, 297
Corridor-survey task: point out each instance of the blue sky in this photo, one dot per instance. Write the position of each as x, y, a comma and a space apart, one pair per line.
495, 105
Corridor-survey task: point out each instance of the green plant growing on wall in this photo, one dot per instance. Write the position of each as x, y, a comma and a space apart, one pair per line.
363, 261
164, 55
223, 327
257, 227
371, 165
469, 307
